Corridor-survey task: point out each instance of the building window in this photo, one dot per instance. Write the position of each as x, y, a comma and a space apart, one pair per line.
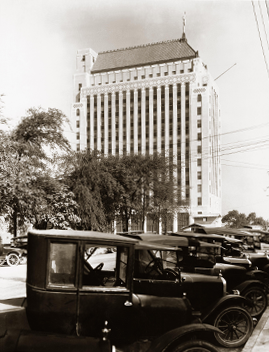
135, 78
158, 74
199, 149
143, 77
78, 147
77, 124
199, 188
199, 110
79, 87
83, 58
199, 136
199, 201
150, 75
199, 123
199, 162
173, 72
199, 175
78, 112
78, 135
166, 73
199, 97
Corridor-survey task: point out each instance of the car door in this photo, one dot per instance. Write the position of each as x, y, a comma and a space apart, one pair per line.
104, 291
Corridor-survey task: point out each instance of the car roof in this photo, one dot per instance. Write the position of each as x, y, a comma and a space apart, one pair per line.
83, 235
158, 239
197, 235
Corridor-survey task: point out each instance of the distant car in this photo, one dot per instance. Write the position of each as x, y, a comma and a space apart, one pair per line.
11, 255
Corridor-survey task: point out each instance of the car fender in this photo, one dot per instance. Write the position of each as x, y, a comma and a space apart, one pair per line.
19, 253
248, 284
258, 274
163, 342
224, 302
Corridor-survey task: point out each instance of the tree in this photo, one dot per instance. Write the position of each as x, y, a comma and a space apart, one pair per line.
235, 219
28, 152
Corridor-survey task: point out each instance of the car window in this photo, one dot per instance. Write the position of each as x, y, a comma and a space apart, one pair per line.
154, 264
62, 264
104, 267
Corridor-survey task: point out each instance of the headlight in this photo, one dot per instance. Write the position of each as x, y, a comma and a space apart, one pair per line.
236, 292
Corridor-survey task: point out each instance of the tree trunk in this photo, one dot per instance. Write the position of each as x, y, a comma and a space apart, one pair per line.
15, 222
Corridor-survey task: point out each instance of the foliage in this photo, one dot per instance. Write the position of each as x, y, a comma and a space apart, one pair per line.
113, 186
26, 158
235, 219
89, 182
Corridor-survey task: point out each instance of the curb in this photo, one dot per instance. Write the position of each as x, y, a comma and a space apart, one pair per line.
259, 340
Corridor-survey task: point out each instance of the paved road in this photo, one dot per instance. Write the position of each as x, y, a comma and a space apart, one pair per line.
12, 281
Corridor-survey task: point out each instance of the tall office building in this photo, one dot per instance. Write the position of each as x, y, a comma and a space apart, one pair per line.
157, 97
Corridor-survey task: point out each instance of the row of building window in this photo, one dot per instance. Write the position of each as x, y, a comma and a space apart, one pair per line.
150, 75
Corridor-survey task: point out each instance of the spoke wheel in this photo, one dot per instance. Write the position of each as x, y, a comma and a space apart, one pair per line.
236, 325
258, 299
13, 259
194, 346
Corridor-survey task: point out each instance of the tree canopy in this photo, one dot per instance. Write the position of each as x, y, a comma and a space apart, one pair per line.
235, 219
27, 154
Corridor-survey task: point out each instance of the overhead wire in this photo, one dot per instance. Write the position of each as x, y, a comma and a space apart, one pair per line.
257, 23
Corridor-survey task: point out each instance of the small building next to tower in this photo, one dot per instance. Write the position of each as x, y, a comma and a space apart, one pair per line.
157, 97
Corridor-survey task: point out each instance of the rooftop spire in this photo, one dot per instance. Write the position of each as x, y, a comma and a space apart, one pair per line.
184, 28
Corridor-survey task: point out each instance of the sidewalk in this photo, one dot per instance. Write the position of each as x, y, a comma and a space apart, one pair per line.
259, 340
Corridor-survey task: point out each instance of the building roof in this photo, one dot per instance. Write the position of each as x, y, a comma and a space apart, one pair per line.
148, 54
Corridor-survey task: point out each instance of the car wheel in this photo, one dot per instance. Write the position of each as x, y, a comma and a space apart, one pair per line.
13, 259
2, 262
258, 299
236, 325
194, 346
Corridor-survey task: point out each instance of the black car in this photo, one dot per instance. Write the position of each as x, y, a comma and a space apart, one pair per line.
11, 255
237, 271
79, 297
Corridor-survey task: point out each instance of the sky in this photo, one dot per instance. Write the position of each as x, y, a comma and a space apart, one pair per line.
39, 40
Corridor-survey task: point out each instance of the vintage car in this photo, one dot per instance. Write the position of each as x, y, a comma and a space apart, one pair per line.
207, 294
11, 255
81, 298
234, 251
237, 271
200, 257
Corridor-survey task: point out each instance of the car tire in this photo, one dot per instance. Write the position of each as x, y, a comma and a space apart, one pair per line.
259, 299
194, 346
236, 325
13, 259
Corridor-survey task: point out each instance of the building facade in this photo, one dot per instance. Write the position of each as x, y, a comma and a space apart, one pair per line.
157, 97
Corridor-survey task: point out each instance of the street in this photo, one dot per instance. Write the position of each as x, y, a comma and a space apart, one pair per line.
12, 281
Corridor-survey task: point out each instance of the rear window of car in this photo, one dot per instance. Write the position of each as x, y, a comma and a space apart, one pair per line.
62, 264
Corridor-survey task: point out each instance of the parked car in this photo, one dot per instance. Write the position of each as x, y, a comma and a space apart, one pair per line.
236, 250
11, 255
82, 299
156, 272
238, 272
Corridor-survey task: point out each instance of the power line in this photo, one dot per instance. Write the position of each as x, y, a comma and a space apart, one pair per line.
255, 15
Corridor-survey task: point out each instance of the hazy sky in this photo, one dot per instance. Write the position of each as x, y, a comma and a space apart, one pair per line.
39, 40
